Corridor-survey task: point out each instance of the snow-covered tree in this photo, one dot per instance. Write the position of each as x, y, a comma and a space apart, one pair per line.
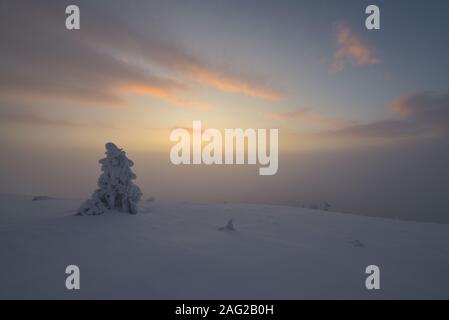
116, 189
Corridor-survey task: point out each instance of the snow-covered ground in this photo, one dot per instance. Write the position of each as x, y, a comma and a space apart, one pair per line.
176, 251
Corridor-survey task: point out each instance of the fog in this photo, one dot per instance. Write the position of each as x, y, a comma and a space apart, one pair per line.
401, 181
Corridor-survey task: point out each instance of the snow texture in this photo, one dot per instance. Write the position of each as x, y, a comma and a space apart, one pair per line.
116, 191
175, 251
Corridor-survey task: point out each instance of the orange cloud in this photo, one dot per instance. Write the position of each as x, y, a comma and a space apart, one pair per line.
76, 67
421, 114
231, 84
146, 90
163, 93
180, 61
429, 109
352, 49
405, 105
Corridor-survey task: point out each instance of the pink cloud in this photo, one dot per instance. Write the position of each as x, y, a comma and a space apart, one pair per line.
351, 48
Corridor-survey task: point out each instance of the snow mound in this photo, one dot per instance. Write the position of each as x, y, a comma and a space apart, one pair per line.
228, 227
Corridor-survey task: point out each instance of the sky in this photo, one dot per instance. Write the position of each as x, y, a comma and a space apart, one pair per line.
354, 107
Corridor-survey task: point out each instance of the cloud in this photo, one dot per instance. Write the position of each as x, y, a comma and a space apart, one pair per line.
35, 118
41, 58
228, 83
351, 49
425, 108
308, 116
420, 114
162, 93
104, 60
158, 49
379, 129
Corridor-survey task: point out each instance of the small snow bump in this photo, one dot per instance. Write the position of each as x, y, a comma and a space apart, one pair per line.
357, 243
40, 198
228, 227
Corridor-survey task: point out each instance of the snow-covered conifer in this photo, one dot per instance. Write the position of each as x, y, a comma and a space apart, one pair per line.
116, 189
